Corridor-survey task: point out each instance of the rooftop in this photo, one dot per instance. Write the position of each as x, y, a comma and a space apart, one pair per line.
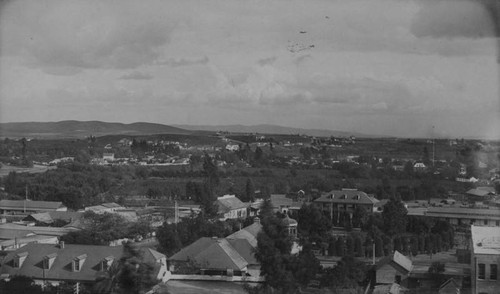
30, 204
61, 269
227, 203
463, 212
212, 253
486, 240
346, 196
479, 192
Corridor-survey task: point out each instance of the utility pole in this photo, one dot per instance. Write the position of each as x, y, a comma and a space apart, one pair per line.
25, 197
433, 146
176, 213
373, 252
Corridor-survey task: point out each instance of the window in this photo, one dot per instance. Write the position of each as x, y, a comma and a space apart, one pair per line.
493, 271
481, 271
76, 265
497, 223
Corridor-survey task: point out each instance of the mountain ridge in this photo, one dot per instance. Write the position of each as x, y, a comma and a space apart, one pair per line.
272, 129
77, 129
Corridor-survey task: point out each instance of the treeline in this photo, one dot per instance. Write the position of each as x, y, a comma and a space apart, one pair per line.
390, 230
289, 273
75, 184
101, 229
173, 237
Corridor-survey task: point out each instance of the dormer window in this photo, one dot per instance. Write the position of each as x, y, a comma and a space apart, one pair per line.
19, 259
356, 197
78, 262
106, 263
49, 260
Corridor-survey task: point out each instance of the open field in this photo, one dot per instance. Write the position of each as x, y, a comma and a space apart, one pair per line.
201, 287
6, 169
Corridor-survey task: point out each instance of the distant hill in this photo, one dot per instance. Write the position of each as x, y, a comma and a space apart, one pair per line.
79, 129
273, 129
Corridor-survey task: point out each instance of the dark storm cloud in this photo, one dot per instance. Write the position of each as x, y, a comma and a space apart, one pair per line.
455, 19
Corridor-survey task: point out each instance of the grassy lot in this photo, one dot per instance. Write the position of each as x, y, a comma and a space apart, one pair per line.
6, 169
201, 287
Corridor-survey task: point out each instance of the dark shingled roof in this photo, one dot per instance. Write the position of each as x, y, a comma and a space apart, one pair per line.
346, 196
61, 268
212, 253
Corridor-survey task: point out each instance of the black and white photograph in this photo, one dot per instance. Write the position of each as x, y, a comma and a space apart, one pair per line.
250, 146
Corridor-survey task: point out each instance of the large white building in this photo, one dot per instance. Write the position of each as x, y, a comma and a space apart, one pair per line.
485, 260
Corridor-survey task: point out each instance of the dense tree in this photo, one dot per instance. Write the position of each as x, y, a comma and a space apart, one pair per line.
394, 217
130, 275
359, 217
358, 246
249, 190
101, 229
20, 284
273, 252
305, 265
436, 271
340, 246
312, 222
348, 274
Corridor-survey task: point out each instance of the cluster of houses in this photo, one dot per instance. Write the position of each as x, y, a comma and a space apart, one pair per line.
36, 251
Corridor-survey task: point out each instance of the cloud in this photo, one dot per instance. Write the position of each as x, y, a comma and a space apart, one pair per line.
62, 70
453, 19
266, 61
183, 62
136, 75
76, 34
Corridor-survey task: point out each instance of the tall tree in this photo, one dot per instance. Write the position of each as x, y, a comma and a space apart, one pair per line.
249, 190
394, 217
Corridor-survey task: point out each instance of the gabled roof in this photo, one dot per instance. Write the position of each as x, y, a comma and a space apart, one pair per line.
49, 231
151, 255
479, 192
43, 217
227, 203
51, 216
487, 188
451, 284
212, 253
111, 205
346, 196
400, 262
278, 200
245, 249
248, 233
61, 268
30, 204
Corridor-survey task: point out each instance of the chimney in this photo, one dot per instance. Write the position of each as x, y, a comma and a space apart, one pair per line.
61, 244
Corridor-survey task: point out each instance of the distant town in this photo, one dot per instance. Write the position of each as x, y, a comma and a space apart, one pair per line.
236, 212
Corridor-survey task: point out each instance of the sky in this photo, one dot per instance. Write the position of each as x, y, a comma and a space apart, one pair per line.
385, 67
